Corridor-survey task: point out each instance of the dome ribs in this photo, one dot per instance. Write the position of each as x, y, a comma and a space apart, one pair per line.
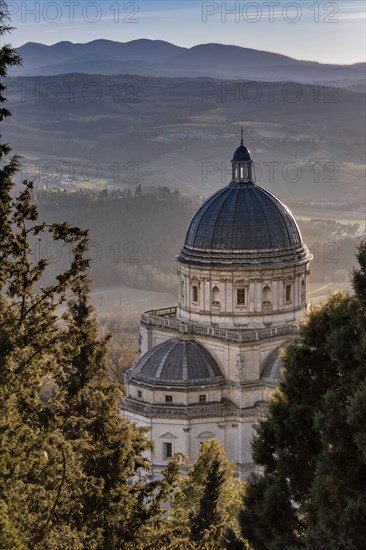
178, 362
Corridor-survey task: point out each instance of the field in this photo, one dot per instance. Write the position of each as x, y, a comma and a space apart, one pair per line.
309, 153
127, 303
170, 134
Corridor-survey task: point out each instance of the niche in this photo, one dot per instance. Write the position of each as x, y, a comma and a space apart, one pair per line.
215, 296
267, 295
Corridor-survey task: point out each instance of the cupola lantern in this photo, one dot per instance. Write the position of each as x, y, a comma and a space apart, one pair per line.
242, 165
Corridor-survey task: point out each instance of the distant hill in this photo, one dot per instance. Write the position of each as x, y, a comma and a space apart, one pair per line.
169, 130
158, 58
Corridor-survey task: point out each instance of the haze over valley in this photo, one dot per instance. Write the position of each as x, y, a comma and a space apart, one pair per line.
182, 275
131, 156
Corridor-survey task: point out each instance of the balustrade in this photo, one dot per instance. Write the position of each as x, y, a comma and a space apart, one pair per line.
166, 318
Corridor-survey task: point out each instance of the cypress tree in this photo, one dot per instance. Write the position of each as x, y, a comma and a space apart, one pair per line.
30, 336
205, 506
208, 514
71, 469
116, 506
312, 443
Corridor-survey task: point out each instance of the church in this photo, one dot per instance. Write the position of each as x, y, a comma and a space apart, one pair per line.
208, 364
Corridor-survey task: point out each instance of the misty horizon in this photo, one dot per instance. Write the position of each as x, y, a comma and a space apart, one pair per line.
157, 40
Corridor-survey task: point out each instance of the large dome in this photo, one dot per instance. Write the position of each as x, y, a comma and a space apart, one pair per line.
177, 361
243, 225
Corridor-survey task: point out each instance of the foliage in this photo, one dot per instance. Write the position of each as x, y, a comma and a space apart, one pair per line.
9, 538
138, 244
205, 506
71, 468
117, 505
312, 443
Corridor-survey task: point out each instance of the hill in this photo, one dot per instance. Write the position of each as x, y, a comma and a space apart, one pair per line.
180, 132
159, 58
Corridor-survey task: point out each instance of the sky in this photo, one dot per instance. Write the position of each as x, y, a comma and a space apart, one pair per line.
324, 31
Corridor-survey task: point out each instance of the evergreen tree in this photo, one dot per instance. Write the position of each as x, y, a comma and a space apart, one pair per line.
69, 468
8, 536
117, 507
205, 506
312, 443
30, 336
207, 516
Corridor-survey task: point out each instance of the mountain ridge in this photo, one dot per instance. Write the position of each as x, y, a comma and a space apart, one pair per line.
103, 56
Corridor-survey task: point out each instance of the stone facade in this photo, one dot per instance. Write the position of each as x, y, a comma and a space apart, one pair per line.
242, 297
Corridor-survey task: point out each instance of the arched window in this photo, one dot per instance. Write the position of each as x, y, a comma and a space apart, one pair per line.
216, 296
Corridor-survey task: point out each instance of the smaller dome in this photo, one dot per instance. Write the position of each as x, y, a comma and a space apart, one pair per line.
242, 154
177, 361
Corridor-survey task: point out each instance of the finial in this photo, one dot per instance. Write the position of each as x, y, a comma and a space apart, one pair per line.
242, 136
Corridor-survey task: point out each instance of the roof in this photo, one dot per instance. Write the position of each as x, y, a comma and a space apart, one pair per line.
242, 154
242, 225
177, 361
271, 366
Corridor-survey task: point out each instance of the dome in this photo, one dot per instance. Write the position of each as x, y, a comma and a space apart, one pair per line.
243, 225
271, 366
177, 361
242, 154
